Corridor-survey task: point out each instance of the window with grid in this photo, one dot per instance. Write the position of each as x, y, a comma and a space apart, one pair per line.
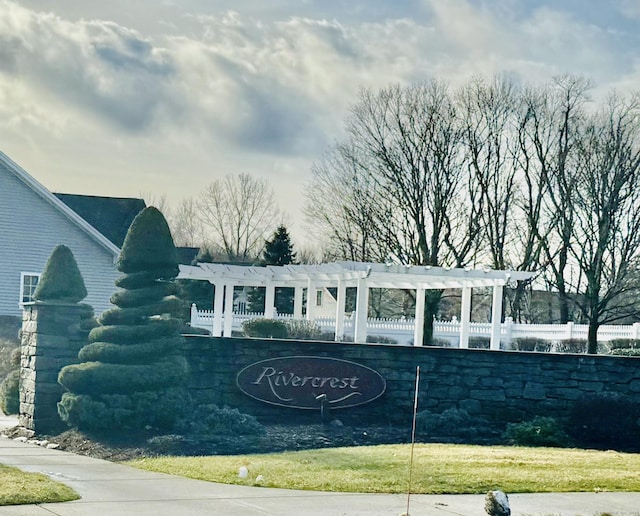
28, 284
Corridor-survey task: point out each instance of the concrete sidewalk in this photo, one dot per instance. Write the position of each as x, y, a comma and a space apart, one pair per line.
109, 489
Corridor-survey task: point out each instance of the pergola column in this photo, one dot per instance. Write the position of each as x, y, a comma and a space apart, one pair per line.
218, 301
269, 299
496, 317
362, 308
297, 302
311, 300
465, 317
418, 329
228, 309
341, 300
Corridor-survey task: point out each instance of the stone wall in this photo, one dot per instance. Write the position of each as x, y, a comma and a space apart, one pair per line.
52, 335
501, 386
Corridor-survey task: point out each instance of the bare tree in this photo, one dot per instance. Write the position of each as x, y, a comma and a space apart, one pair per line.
488, 116
606, 202
238, 213
563, 115
399, 184
185, 224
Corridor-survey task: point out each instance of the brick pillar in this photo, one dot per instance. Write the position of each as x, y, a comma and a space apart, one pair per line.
52, 335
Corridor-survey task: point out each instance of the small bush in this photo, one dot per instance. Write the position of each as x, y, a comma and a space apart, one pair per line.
571, 346
532, 344
479, 342
625, 352
213, 420
10, 328
265, 329
540, 431
605, 420
624, 344
441, 343
380, 339
9, 357
452, 423
10, 393
303, 329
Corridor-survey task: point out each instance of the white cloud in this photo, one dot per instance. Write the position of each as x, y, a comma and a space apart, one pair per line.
265, 92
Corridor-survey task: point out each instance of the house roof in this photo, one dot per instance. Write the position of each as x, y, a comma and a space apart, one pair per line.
186, 255
111, 216
48, 197
378, 275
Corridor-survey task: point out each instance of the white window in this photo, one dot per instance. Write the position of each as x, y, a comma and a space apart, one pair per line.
318, 297
28, 284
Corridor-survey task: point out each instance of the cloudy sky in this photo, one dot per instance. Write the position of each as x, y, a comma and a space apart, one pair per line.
160, 98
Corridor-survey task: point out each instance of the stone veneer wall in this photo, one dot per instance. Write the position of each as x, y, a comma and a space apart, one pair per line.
501, 386
52, 335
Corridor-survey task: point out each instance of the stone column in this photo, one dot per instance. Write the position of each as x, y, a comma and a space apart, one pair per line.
52, 335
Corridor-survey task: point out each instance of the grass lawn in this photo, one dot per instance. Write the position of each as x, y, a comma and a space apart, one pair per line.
438, 468
18, 487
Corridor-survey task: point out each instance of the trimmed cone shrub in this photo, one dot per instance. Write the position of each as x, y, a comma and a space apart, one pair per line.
61, 279
132, 373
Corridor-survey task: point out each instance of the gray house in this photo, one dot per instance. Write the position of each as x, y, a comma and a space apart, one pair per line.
33, 221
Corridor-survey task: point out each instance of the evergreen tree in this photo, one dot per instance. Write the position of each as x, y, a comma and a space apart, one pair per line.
132, 373
277, 251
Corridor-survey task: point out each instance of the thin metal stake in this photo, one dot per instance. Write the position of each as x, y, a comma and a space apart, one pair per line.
413, 436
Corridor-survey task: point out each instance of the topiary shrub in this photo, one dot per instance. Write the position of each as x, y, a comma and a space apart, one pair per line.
540, 431
61, 279
605, 420
132, 373
265, 329
532, 344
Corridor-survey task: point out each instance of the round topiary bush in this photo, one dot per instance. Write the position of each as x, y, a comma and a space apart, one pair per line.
132, 373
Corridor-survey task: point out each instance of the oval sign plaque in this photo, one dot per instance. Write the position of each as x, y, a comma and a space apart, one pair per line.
303, 381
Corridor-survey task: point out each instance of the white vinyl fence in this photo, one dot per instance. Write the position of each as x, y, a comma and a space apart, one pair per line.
401, 330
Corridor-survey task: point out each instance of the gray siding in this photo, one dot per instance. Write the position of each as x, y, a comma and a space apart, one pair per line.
30, 227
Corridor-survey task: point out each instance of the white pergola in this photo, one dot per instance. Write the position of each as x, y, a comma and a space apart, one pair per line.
362, 276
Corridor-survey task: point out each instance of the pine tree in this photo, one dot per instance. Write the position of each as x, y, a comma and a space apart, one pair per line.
277, 251
132, 373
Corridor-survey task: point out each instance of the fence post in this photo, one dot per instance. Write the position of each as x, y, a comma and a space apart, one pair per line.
636, 331
508, 329
194, 315
569, 330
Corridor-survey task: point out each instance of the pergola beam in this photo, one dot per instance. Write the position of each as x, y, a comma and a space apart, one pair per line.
364, 276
